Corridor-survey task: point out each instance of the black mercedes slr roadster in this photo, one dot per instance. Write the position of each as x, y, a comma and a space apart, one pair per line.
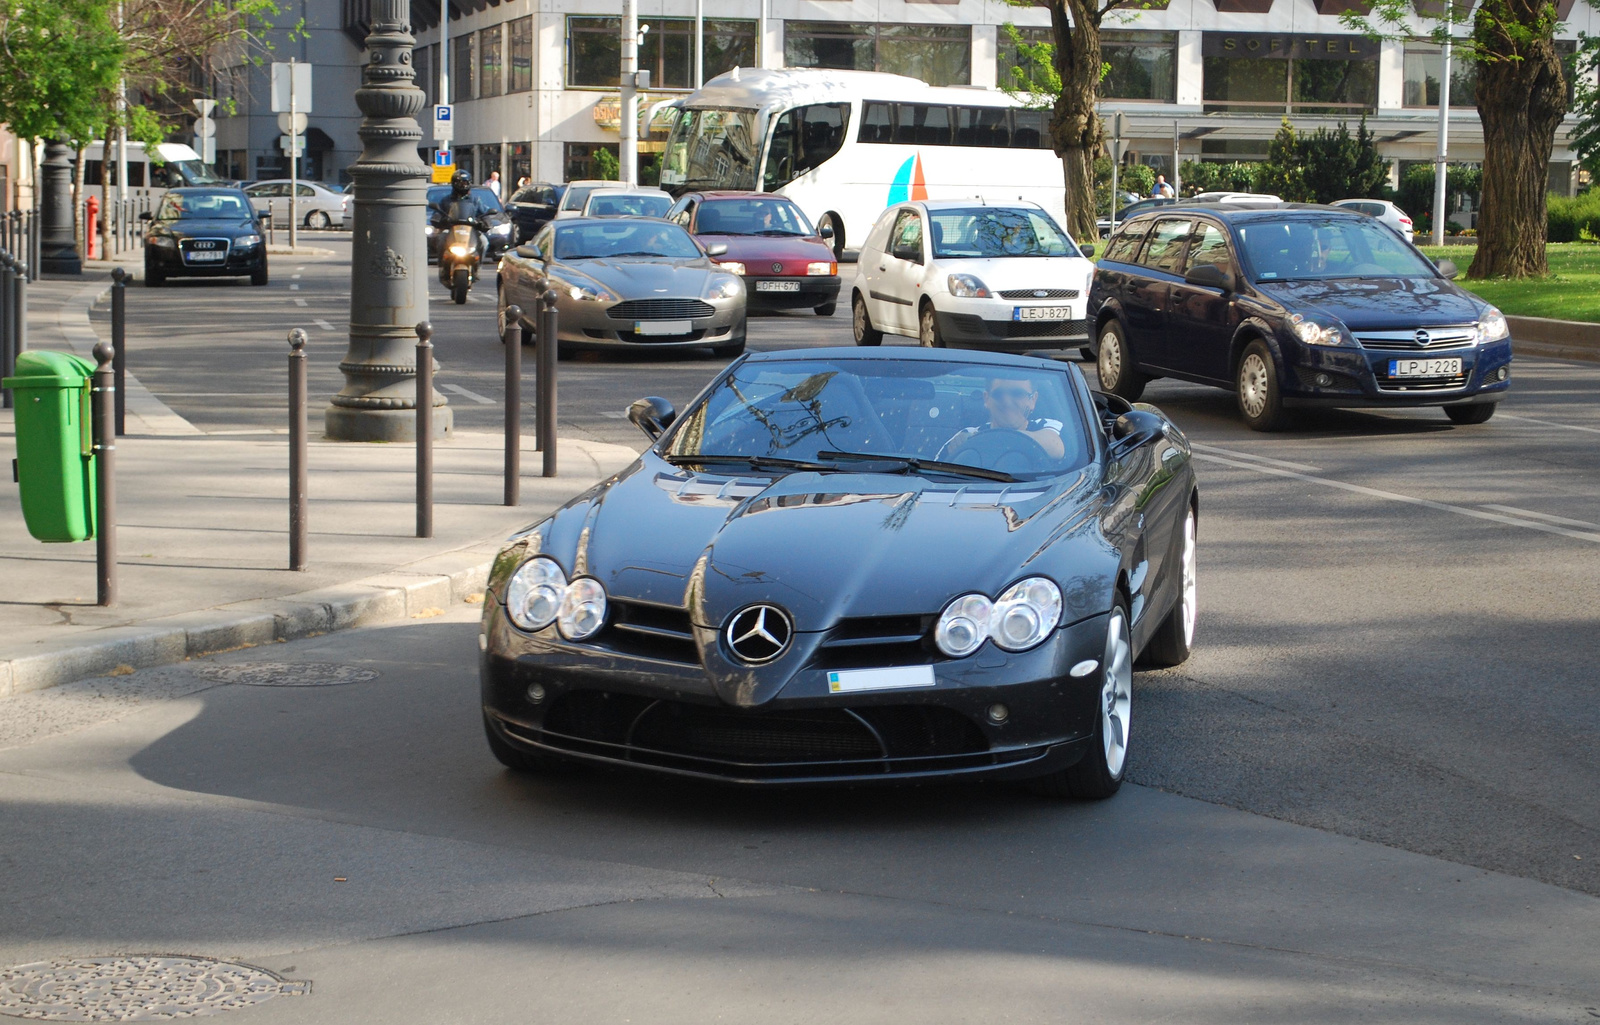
845, 565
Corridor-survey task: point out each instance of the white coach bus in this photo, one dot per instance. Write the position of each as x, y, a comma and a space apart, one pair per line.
846, 144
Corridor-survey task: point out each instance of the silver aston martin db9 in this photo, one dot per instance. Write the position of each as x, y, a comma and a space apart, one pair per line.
623, 282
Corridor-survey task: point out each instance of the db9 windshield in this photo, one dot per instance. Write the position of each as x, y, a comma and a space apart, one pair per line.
712, 149
1332, 247
885, 414
997, 231
624, 238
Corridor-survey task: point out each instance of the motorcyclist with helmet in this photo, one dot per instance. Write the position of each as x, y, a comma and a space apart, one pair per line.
460, 208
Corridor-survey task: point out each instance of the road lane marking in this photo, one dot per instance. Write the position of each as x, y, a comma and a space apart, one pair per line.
300, 302
322, 324
1459, 510
1302, 467
295, 277
613, 414
1513, 510
1549, 423
294, 288
474, 396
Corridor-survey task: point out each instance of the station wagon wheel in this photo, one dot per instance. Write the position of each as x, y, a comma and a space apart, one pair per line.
861, 323
1260, 402
928, 328
1114, 362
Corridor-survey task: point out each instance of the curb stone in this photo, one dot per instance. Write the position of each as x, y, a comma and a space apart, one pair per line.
391, 597
1555, 339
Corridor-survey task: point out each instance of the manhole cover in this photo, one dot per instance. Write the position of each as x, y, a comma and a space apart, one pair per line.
287, 674
136, 988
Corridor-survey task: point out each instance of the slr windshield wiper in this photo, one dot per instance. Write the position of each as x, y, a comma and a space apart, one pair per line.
754, 462
912, 464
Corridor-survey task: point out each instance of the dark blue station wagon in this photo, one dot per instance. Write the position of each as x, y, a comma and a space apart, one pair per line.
1296, 305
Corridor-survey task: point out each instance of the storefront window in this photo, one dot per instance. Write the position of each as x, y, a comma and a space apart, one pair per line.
1143, 66
594, 50
521, 47
1423, 67
1264, 73
1246, 84
937, 54
578, 158
490, 69
463, 68
1334, 87
519, 157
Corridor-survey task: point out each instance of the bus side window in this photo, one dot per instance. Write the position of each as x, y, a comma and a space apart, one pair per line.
877, 125
905, 123
1030, 130
983, 126
780, 152
934, 127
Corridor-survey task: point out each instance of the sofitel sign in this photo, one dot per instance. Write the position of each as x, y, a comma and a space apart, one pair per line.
1288, 46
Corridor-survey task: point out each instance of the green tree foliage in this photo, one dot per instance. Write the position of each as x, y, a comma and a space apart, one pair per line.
1239, 176
1138, 179
1338, 165
606, 165
1586, 103
1033, 80
1284, 174
1415, 194
62, 60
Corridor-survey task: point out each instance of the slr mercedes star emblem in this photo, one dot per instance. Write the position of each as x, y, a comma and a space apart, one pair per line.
758, 634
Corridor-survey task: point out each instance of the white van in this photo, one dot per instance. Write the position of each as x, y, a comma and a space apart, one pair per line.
177, 166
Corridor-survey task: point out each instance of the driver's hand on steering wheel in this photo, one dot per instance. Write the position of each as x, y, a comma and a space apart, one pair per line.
1010, 404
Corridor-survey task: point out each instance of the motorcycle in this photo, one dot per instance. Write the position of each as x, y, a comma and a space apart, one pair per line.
459, 256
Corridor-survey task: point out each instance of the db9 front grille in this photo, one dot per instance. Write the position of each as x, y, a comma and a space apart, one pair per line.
1046, 328
793, 742
1033, 293
660, 309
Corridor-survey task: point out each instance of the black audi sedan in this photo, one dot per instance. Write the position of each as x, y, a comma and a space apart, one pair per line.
1293, 305
853, 566
204, 232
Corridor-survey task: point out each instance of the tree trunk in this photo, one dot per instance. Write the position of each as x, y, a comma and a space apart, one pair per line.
79, 228
106, 166
1074, 126
1521, 102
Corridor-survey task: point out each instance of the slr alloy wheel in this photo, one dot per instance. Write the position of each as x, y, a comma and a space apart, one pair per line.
1098, 774
1174, 638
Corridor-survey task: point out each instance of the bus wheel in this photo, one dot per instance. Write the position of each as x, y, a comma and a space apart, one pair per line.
838, 233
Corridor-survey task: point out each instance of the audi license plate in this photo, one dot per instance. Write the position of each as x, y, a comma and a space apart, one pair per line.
661, 327
777, 286
1041, 313
1424, 367
203, 255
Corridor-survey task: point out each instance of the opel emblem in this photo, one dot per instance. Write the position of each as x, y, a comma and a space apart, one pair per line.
758, 634
1040, 293
1423, 338
777, 268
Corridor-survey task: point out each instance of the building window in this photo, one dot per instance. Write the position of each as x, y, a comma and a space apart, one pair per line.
1266, 73
489, 160
937, 54
425, 60
1032, 74
464, 162
578, 158
521, 46
463, 68
1142, 66
519, 156
491, 80
594, 50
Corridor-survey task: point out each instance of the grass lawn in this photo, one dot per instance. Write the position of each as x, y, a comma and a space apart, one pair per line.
1571, 292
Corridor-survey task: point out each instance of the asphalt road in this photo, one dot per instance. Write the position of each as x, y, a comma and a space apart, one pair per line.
1397, 644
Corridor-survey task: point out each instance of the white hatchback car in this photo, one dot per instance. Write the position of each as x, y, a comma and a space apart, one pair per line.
1382, 210
968, 274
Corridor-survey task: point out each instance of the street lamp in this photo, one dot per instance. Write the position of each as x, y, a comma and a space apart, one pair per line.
1440, 170
389, 255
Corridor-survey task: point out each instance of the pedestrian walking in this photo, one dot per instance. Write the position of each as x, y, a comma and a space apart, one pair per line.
493, 183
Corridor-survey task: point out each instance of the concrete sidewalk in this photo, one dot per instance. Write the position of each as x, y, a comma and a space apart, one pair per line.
203, 532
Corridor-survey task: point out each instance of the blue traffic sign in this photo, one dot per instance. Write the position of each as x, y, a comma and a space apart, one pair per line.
441, 112
443, 158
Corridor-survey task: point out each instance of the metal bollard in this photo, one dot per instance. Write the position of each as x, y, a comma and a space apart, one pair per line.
19, 310
102, 399
424, 429
513, 343
119, 335
8, 347
548, 350
297, 449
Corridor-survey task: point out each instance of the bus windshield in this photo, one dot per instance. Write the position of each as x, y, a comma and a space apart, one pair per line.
712, 149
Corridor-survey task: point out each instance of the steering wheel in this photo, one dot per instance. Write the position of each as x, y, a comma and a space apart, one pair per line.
1005, 450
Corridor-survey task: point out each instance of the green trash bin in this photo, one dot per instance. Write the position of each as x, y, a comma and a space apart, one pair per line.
55, 457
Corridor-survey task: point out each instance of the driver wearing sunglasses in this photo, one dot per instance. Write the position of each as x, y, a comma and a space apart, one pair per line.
1010, 404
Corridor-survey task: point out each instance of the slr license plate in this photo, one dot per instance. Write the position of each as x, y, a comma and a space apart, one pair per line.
661, 327
1424, 367
777, 286
898, 678
1041, 313
207, 255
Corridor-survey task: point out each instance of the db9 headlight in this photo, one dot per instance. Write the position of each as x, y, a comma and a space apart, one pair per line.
964, 625
724, 288
1025, 614
534, 593
1493, 326
583, 609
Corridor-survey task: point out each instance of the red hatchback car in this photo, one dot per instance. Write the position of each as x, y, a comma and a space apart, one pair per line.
785, 263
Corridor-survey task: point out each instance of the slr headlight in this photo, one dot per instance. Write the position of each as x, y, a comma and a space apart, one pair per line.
963, 626
1312, 333
731, 266
1025, 614
1493, 326
534, 593
583, 609
724, 288
966, 286
822, 268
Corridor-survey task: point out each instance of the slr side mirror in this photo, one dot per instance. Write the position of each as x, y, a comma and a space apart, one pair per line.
1135, 428
1448, 269
826, 231
1209, 275
652, 415
717, 249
